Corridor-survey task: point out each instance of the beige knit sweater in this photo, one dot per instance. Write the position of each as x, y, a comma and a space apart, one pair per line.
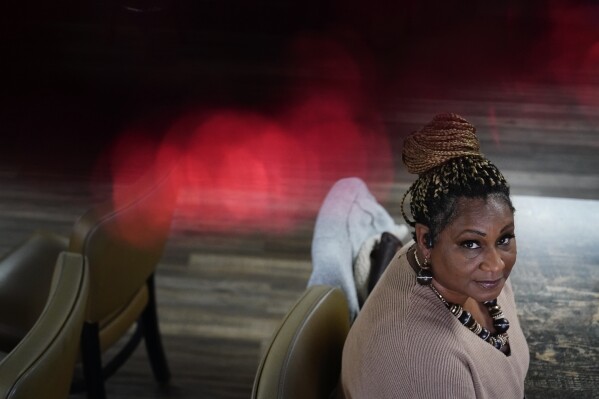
406, 344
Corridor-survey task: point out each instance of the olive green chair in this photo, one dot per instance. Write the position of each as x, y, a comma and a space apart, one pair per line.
123, 241
41, 365
303, 359
25, 276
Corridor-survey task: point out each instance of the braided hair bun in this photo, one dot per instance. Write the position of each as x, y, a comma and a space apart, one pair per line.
447, 136
446, 156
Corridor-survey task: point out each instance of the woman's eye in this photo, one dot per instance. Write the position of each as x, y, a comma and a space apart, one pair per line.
505, 240
470, 244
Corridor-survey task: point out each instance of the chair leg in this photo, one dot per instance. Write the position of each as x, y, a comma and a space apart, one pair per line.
124, 354
151, 331
92, 361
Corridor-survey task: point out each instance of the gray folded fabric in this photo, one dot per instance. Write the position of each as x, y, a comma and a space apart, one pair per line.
348, 216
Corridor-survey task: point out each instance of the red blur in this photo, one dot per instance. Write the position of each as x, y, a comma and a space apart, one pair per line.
249, 171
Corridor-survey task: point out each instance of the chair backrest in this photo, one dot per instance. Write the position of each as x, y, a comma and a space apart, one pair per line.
42, 364
304, 356
123, 241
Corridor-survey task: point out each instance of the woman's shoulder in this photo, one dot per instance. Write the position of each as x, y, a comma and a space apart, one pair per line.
391, 296
415, 343
402, 317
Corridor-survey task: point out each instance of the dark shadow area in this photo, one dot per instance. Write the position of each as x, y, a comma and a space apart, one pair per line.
75, 74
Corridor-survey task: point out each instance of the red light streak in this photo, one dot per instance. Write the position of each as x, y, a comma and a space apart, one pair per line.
249, 171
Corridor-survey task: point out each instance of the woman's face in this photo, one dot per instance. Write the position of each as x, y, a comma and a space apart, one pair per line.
473, 255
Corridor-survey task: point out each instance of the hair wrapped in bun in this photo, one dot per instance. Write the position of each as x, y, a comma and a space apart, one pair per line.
446, 136
446, 156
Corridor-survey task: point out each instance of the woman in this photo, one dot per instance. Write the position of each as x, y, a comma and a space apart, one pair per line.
441, 322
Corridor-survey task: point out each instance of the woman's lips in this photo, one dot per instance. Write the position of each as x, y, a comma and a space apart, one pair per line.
489, 284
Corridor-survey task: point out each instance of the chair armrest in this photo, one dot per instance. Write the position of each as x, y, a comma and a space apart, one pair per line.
42, 364
25, 279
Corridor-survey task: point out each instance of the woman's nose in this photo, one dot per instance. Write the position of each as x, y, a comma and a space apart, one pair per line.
492, 260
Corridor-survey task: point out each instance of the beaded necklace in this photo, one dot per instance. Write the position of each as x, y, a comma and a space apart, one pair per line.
499, 340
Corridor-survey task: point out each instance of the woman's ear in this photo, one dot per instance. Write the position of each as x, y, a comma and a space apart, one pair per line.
424, 240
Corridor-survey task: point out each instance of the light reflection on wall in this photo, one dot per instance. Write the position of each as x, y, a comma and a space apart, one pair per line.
246, 170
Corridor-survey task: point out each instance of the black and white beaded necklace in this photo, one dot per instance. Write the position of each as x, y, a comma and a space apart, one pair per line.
499, 339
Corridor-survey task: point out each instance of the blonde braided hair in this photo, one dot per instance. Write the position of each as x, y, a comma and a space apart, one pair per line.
446, 156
